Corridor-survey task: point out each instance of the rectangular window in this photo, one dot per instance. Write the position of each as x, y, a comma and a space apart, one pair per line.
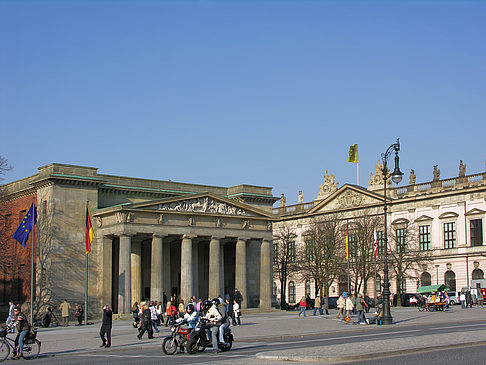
291, 252
275, 253
476, 232
380, 237
401, 240
450, 235
309, 250
424, 237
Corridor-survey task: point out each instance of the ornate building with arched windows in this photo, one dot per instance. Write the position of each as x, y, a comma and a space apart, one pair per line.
438, 224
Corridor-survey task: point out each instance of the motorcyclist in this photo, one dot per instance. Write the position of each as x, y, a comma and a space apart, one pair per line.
214, 317
223, 310
190, 316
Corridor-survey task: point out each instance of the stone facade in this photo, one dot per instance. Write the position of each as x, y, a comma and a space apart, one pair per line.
450, 213
151, 237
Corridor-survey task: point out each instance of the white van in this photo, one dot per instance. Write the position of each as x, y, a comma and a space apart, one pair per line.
454, 297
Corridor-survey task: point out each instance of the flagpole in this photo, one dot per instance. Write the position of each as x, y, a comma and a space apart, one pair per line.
32, 267
357, 173
86, 286
347, 253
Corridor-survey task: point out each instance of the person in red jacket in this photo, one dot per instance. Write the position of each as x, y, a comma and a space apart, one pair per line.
170, 312
302, 306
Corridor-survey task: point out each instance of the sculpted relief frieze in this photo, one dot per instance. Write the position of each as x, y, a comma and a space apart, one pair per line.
203, 205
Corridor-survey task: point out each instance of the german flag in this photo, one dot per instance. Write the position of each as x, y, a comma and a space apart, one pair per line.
88, 232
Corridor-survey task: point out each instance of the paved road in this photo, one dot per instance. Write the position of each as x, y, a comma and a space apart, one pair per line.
325, 347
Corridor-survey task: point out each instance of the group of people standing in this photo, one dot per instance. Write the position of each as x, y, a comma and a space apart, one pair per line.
149, 315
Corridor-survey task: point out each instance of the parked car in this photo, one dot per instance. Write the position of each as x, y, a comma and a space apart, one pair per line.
454, 297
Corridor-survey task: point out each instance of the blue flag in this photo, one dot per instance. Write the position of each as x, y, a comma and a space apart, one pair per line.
21, 235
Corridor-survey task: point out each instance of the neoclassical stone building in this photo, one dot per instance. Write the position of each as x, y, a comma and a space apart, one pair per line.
447, 216
151, 237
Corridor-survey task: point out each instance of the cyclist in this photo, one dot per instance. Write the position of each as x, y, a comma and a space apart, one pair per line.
22, 325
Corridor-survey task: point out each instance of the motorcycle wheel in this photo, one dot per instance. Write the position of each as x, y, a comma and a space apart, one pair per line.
169, 346
192, 346
227, 347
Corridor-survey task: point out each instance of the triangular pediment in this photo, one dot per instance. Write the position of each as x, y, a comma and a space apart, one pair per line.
348, 197
201, 204
475, 211
423, 218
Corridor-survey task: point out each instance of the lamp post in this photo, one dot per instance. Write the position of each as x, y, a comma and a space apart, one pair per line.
437, 267
396, 177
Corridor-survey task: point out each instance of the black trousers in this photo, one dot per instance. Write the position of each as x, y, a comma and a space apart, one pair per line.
106, 330
146, 326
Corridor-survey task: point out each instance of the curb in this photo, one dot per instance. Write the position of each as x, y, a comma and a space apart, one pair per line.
373, 356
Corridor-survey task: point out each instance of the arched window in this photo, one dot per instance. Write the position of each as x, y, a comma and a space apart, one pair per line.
307, 288
450, 280
425, 279
291, 292
378, 285
477, 274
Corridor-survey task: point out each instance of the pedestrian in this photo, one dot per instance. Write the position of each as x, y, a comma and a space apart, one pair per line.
182, 308
135, 315
65, 307
348, 306
238, 296
145, 322
11, 307
170, 312
480, 299
236, 313
353, 300
325, 304
340, 304
360, 307
302, 306
78, 313
19, 321
317, 305
106, 325
469, 300
462, 298
199, 306
160, 311
153, 316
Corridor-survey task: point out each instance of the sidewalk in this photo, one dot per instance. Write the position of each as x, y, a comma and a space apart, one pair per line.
277, 325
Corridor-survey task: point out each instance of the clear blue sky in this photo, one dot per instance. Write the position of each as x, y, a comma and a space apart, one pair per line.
268, 93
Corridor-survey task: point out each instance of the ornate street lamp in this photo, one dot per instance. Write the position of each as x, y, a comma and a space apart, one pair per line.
396, 177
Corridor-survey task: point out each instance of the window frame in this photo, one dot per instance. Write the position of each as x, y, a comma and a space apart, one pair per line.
424, 237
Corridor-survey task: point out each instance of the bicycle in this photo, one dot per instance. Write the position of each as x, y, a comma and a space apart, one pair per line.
31, 346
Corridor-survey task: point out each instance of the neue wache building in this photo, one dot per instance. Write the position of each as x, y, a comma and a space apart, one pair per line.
151, 237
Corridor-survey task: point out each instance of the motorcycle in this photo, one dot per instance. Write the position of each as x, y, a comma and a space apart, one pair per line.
177, 339
199, 338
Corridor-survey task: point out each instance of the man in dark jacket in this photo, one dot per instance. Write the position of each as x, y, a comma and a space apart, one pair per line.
146, 322
106, 327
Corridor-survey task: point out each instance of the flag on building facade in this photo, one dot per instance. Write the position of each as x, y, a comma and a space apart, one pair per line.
89, 234
347, 250
353, 153
22, 232
375, 253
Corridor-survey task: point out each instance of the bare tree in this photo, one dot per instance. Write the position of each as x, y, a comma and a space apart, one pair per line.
7, 223
406, 258
321, 256
361, 250
284, 256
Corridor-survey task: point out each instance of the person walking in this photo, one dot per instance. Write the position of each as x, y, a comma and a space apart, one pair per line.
317, 305
153, 316
462, 298
106, 325
65, 307
78, 313
135, 315
146, 322
238, 296
236, 313
325, 304
360, 308
170, 312
10, 317
302, 306
348, 306
340, 305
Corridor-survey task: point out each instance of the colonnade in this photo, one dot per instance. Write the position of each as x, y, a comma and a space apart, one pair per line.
130, 272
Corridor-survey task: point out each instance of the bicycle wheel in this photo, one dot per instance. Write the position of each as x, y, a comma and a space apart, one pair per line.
31, 350
4, 350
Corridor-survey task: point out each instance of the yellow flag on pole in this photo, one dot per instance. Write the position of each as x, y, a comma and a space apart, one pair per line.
347, 249
353, 153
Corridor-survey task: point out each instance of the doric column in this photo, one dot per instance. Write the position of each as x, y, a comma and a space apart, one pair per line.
221, 269
136, 271
240, 270
124, 275
214, 268
166, 277
187, 271
265, 274
105, 275
156, 268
